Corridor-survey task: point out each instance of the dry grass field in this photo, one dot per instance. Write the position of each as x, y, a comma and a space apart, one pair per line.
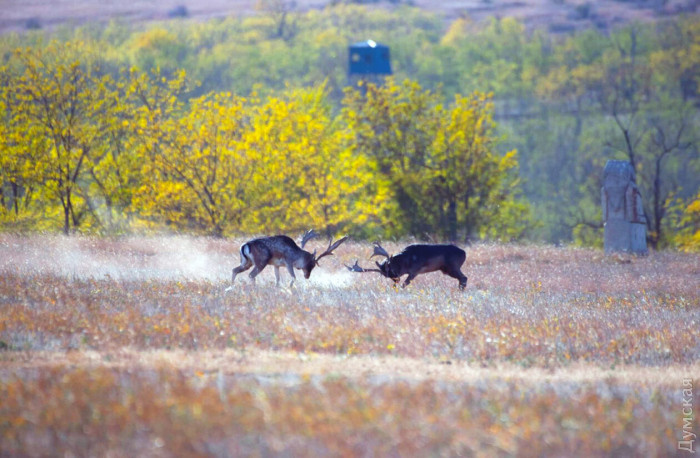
134, 347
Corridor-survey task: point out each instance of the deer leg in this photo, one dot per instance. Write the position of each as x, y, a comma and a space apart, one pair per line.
277, 275
462, 281
245, 265
408, 280
254, 273
459, 276
290, 269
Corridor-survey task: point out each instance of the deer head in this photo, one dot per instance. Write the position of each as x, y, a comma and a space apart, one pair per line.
312, 259
384, 268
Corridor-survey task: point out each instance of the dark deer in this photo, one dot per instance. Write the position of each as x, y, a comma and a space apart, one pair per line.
278, 251
419, 259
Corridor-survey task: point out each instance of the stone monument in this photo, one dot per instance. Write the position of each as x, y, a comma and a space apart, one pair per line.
623, 215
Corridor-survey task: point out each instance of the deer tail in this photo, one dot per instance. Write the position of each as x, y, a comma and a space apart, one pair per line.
245, 252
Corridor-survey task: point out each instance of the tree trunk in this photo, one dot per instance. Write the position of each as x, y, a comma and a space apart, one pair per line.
658, 206
15, 197
66, 218
452, 220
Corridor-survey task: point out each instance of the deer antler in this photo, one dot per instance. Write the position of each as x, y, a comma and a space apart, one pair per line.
308, 235
331, 246
356, 268
379, 251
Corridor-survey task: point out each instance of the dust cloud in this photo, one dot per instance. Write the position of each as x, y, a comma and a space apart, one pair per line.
174, 257
167, 258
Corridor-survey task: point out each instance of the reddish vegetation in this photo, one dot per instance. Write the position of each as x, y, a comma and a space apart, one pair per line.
131, 345
164, 412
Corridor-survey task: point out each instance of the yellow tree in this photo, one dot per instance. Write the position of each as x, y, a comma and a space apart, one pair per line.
64, 97
21, 158
469, 187
146, 100
196, 174
114, 175
687, 228
307, 172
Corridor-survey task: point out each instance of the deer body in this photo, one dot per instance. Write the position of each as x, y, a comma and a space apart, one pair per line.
419, 259
280, 251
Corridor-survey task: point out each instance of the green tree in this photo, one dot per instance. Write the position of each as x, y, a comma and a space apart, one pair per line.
194, 168
626, 101
393, 126
654, 126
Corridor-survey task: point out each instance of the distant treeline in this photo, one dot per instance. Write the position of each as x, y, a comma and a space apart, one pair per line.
566, 104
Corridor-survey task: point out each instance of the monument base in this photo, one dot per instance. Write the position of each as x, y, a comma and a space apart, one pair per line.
625, 237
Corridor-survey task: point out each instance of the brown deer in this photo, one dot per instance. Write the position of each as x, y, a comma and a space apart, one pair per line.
280, 250
418, 259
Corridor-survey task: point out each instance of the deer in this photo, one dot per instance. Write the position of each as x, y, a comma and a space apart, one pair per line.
418, 259
278, 251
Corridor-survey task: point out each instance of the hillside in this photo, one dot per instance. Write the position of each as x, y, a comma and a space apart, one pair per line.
555, 15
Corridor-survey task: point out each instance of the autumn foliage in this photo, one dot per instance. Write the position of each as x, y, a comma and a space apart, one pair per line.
91, 150
89, 113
